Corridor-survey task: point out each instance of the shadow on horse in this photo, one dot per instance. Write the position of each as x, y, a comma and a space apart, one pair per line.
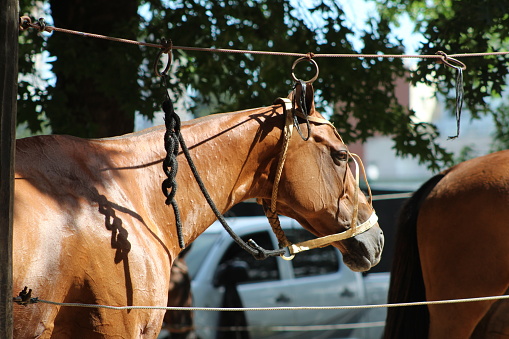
452, 243
91, 225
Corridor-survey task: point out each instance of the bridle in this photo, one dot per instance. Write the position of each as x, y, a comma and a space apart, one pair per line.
271, 211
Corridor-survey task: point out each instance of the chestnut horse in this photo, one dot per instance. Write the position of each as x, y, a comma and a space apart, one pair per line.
452, 243
91, 226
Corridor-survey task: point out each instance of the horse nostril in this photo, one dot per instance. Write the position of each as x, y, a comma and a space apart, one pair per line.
364, 249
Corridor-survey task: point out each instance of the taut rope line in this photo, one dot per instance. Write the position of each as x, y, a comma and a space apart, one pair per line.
24, 298
25, 22
449, 60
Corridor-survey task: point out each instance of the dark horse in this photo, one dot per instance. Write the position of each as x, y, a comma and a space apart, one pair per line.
453, 243
91, 226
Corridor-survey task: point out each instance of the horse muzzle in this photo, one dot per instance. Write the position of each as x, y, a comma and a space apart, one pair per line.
363, 251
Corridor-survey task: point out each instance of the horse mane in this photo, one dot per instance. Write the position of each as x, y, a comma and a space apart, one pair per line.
183, 123
407, 283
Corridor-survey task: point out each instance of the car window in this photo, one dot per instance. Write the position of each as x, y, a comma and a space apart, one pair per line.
314, 262
258, 270
199, 250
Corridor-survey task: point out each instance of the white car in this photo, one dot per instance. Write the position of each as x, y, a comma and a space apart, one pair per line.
225, 275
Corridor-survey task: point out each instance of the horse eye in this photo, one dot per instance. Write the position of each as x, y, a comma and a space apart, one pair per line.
339, 156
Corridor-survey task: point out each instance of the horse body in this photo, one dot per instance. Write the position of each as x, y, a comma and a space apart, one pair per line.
91, 226
83, 233
458, 222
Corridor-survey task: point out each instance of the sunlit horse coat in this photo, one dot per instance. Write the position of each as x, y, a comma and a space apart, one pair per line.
91, 226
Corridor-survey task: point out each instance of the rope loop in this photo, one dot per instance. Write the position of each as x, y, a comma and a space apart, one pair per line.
24, 23
450, 62
166, 48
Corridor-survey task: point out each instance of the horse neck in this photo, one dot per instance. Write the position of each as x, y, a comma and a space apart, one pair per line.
232, 153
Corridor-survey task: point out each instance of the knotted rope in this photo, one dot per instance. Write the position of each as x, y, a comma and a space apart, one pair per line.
172, 141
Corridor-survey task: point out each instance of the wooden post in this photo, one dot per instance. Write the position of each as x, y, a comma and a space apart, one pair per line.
8, 91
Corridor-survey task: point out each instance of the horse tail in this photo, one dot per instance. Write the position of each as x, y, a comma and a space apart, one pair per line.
406, 283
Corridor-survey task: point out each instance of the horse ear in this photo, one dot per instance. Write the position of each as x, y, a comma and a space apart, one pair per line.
310, 98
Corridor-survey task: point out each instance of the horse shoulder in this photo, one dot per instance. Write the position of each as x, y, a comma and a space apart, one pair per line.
79, 212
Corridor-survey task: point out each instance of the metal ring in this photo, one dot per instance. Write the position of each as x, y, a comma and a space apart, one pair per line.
166, 48
451, 62
287, 258
310, 60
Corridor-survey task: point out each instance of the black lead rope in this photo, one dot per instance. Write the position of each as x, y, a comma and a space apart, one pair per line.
304, 109
172, 141
170, 163
459, 100
459, 67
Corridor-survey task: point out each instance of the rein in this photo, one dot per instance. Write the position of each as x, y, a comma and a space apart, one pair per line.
173, 139
169, 185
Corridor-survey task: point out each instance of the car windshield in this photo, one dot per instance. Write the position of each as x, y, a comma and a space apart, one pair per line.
199, 250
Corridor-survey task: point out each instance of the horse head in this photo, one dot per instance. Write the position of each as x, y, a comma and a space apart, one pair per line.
317, 187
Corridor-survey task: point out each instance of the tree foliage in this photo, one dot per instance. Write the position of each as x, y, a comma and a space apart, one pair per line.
458, 27
96, 88
101, 84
